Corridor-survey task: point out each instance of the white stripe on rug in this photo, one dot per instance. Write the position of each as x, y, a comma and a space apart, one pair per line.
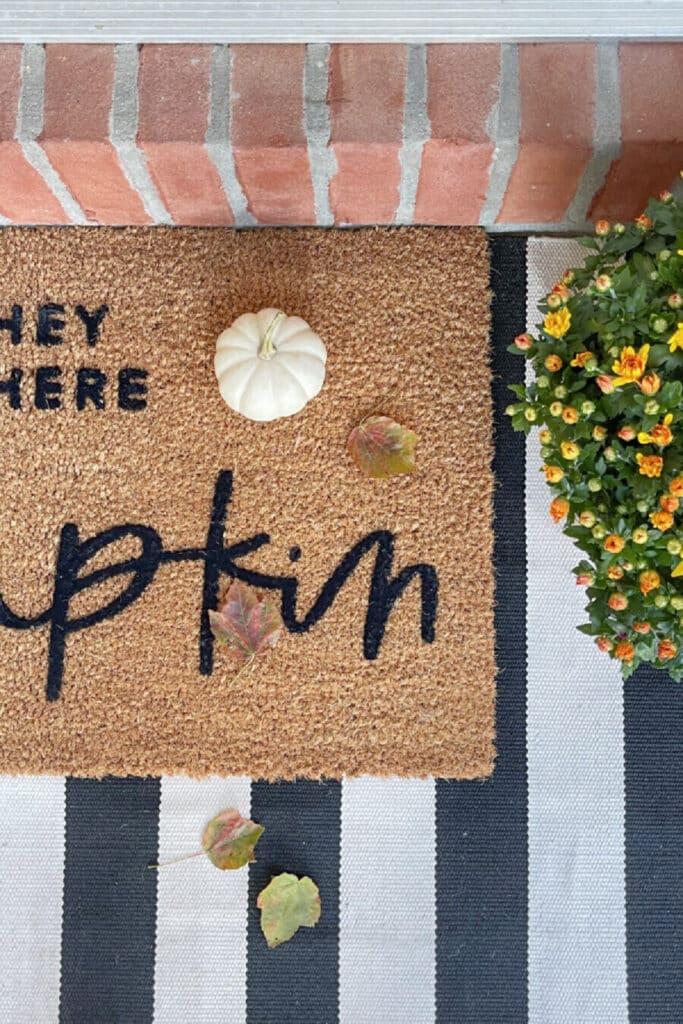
577, 960
32, 871
201, 944
387, 913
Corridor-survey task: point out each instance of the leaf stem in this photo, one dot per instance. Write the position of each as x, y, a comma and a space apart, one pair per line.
178, 860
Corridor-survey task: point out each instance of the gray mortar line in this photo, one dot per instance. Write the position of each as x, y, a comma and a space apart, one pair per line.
30, 125
218, 144
416, 130
317, 128
503, 126
123, 128
606, 134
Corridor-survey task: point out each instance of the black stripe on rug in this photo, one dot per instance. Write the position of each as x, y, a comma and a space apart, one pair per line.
653, 758
109, 914
482, 862
298, 981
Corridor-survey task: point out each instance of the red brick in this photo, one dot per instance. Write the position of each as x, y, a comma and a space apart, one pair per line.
366, 94
24, 195
268, 136
557, 96
10, 87
651, 129
462, 83
173, 85
79, 84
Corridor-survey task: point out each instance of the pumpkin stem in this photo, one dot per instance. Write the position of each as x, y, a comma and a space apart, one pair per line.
266, 349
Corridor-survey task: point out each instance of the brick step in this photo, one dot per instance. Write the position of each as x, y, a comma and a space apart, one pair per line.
527, 135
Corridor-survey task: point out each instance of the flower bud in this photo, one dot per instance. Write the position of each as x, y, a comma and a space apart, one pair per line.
619, 228
639, 535
585, 579
673, 546
599, 531
604, 643
545, 436
627, 566
622, 510
661, 600
560, 391
524, 341
650, 384
530, 414
626, 434
554, 301
599, 433
675, 300
664, 255
511, 410
588, 408
568, 277
610, 454
542, 382
642, 507
594, 484
651, 408
603, 283
604, 382
613, 351
643, 222
677, 602
555, 409
587, 518
602, 228
666, 196
659, 325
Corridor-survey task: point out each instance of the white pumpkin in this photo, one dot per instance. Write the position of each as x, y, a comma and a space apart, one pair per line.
269, 364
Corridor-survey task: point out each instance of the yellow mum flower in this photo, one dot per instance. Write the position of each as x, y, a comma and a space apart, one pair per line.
630, 366
570, 450
661, 433
553, 474
557, 324
581, 359
676, 339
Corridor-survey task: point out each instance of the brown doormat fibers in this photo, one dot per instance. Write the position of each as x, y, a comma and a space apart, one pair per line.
113, 519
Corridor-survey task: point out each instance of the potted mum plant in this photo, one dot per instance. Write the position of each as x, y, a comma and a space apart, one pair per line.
607, 396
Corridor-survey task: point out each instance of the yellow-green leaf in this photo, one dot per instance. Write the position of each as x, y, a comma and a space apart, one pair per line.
229, 840
381, 448
287, 903
678, 571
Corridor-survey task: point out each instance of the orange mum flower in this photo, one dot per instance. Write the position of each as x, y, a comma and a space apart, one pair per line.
660, 434
630, 366
618, 602
650, 465
581, 358
641, 627
668, 503
604, 643
625, 651
553, 363
615, 572
661, 520
570, 415
676, 486
649, 580
626, 433
559, 509
666, 650
614, 543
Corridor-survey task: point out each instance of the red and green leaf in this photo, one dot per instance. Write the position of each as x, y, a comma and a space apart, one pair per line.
381, 448
229, 840
248, 623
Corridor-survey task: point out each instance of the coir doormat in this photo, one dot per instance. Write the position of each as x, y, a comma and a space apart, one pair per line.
130, 494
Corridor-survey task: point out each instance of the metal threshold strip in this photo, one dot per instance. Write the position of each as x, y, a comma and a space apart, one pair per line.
408, 21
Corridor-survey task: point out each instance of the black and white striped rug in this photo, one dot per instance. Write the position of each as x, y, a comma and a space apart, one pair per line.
551, 893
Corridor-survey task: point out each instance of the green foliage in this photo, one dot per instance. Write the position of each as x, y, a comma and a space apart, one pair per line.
607, 394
